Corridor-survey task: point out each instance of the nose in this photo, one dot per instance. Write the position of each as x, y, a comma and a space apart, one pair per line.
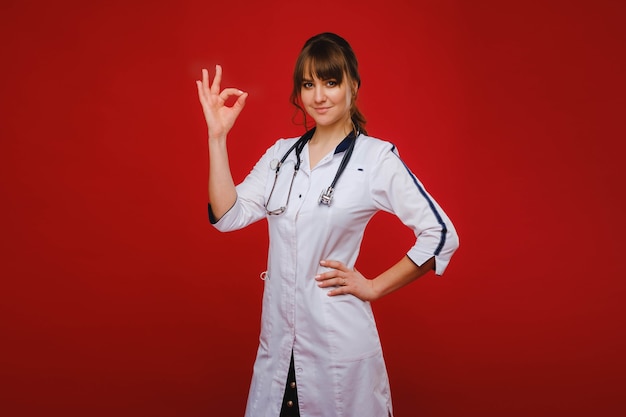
320, 94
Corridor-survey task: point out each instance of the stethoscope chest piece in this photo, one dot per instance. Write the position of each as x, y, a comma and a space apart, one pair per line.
327, 196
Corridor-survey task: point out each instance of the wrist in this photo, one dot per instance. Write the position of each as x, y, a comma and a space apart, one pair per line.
375, 290
217, 141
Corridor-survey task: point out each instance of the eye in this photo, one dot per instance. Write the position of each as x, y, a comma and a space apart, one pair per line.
332, 83
307, 84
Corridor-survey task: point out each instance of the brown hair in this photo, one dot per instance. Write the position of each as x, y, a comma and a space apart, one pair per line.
327, 56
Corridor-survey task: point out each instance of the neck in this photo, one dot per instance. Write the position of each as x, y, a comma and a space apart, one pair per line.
330, 134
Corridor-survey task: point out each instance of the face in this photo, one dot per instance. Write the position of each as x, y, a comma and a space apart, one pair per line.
327, 102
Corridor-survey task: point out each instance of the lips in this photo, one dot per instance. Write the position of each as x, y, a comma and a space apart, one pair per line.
321, 110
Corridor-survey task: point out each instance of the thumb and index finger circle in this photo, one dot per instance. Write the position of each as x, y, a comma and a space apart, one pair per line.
229, 92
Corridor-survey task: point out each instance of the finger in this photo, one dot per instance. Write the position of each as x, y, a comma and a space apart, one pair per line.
201, 93
203, 86
228, 92
325, 276
217, 80
338, 291
205, 80
240, 103
334, 264
335, 281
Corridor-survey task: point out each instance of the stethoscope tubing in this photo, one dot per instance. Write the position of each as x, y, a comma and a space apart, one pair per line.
326, 196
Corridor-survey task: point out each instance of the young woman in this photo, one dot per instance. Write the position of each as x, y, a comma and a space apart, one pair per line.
319, 352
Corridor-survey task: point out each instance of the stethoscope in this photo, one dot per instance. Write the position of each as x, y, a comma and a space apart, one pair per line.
326, 197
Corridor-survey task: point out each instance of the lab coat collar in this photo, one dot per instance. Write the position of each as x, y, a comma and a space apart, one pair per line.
343, 145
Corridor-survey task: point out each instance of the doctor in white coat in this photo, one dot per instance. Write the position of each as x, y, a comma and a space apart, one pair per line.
319, 352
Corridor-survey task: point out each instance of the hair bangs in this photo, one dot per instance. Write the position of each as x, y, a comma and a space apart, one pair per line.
324, 62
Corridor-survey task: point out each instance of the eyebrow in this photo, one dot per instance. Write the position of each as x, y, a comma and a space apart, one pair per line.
310, 80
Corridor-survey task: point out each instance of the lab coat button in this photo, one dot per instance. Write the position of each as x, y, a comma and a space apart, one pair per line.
299, 371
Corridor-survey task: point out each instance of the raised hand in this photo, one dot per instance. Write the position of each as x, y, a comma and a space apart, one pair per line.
219, 117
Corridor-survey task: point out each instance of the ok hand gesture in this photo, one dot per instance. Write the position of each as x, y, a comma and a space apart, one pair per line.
219, 117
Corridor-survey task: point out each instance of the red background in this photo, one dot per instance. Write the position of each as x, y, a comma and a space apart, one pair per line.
119, 299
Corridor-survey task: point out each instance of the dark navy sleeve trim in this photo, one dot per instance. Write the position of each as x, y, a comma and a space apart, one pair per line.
212, 217
444, 228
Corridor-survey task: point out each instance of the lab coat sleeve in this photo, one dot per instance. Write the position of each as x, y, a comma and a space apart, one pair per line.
397, 190
249, 205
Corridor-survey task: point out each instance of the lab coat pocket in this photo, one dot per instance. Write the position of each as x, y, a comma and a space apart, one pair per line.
351, 189
352, 333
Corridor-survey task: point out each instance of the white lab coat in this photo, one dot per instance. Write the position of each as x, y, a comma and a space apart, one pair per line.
340, 371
